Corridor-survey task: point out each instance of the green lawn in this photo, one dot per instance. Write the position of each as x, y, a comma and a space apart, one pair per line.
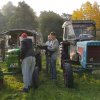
87, 87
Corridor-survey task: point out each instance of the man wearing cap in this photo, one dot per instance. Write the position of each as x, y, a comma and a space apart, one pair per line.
28, 61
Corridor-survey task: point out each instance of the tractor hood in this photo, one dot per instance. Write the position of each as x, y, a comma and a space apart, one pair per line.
13, 51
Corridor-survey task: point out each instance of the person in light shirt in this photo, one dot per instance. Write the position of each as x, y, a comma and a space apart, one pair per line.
53, 49
48, 43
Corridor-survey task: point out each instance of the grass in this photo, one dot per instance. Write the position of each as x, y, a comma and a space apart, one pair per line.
87, 87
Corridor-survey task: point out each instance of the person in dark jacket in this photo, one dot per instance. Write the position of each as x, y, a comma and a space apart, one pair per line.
28, 61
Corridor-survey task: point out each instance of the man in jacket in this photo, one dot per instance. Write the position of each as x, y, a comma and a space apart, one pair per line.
53, 49
28, 61
48, 43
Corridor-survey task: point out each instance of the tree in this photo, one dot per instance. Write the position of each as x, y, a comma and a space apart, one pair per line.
50, 21
2, 22
96, 14
88, 11
78, 15
24, 17
8, 10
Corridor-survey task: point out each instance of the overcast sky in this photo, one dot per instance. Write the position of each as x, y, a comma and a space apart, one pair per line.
58, 6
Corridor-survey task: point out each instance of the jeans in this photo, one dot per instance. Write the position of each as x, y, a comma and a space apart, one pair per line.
28, 65
47, 63
53, 68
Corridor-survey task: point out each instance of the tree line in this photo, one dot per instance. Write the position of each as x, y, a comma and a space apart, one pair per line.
24, 17
88, 11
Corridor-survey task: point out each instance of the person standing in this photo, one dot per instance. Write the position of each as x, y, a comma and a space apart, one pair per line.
48, 43
53, 49
2, 47
28, 61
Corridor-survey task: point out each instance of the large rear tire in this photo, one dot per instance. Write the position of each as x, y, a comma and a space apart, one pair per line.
35, 78
68, 76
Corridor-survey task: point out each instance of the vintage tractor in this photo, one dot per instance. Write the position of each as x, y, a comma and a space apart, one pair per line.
77, 54
12, 51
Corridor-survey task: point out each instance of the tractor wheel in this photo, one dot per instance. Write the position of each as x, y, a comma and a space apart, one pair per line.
68, 76
35, 78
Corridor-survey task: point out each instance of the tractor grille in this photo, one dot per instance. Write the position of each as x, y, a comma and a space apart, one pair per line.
93, 54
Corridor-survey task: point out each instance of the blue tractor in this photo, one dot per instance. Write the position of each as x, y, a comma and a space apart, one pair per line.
79, 48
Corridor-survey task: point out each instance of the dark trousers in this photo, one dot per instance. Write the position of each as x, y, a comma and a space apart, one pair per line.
47, 63
39, 61
53, 69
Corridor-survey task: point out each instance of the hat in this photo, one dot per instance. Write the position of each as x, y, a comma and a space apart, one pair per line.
24, 35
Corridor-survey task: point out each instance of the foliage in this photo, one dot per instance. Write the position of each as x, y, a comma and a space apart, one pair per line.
2, 22
50, 21
24, 17
8, 10
88, 11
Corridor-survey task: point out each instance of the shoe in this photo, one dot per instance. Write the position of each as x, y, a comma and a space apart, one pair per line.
25, 90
